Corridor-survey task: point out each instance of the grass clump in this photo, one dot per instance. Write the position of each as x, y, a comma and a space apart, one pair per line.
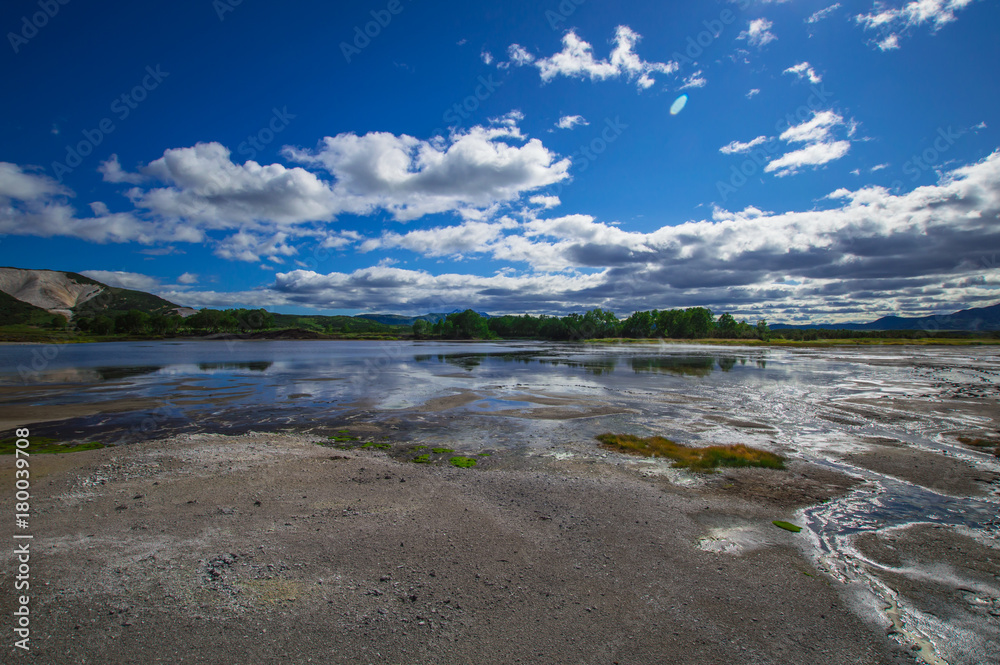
377, 446
787, 526
441, 451
707, 458
41, 445
422, 459
341, 437
462, 462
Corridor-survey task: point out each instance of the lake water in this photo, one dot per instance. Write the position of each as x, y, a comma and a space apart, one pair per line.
542, 399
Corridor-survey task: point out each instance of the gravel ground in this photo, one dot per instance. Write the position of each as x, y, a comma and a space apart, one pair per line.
272, 549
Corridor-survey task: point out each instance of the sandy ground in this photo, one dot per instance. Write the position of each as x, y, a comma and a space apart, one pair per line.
272, 549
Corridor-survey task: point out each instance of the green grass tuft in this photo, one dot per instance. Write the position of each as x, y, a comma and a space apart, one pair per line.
787, 526
40, 445
440, 451
697, 459
462, 462
422, 459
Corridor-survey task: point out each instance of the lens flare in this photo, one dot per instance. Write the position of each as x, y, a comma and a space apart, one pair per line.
678, 105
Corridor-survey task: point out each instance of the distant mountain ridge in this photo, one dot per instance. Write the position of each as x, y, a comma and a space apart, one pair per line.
975, 319
399, 320
68, 294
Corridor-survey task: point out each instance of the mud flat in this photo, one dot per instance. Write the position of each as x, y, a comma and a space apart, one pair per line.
273, 549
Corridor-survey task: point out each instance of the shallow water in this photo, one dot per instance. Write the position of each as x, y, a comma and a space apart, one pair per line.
552, 399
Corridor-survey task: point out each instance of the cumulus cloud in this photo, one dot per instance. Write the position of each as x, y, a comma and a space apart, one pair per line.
252, 247
251, 211
916, 253
736, 147
112, 171
123, 280
188, 278
803, 71
892, 22
35, 204
208, 190
576, 60
411, 178
545, 202
468, 237
571, 121
758, 33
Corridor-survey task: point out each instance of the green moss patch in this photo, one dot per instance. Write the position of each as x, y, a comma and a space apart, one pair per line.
40, 445
441, 451
707, 458
787, 526
422, 459
462, 462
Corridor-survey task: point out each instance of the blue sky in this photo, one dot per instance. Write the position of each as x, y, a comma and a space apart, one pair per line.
833, 161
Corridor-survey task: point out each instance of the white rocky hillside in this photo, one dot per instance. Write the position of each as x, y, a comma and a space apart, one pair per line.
55, 291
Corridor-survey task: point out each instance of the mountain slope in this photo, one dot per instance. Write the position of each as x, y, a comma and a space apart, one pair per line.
985, 319
70, 294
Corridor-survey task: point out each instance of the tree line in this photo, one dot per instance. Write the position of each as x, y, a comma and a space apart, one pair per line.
691, 323
137, 322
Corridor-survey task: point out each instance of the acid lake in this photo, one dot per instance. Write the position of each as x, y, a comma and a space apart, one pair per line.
889, 416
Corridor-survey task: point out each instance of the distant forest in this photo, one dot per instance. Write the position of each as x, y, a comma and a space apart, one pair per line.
691, 323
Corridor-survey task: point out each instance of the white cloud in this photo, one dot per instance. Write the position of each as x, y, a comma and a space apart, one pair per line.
466, 238
818, 16
891, 22
411, 178
123, 280
112, 171
737, 147
758, 32
486, 56
207, 189
816, 154
35, 204
915, 252
803, 71
188, 278
545, 202
571, 121
817, 128
519, 56
252, 247
576, 60
753, 92
879, 167
695, 80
